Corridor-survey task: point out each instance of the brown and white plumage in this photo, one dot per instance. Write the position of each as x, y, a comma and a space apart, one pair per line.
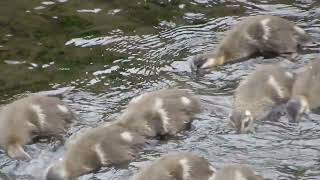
23, 119
93, 148
305, 91
177, 166
162, 112
188, 166
258, 94
262, 34
237, 172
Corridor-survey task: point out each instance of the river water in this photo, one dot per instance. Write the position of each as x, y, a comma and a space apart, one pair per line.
106, 52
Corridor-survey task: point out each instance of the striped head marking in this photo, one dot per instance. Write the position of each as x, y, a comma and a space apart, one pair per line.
242, 121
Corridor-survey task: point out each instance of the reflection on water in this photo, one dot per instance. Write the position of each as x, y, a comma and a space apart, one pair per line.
112, 51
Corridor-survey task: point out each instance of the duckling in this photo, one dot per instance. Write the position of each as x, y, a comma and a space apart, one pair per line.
162, 112
236, 172
305, 92
93, 148
263, 34
26, 118
260, 96
173, 166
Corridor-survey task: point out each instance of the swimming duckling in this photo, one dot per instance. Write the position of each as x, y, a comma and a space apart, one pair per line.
262, 34
162, 112
173, 166
26, 118
93, 148
236, 172
260, 95
305, 92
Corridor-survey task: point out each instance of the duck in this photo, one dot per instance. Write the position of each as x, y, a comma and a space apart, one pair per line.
261, 34
33, 116
160, 113
189, 166
92, 148
237, 172
261, 96
305, 92
177, 165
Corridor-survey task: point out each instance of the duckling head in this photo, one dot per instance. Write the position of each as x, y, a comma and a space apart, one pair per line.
242, 121
204, 62
56, 172
296, 107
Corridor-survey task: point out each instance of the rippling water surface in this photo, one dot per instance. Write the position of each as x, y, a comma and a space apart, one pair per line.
111, 51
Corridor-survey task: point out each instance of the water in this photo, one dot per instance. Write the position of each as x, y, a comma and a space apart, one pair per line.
111, 51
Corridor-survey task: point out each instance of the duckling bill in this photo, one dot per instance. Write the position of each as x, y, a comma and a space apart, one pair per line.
305, 92
162, 112
26, 118
260, 96
263, 34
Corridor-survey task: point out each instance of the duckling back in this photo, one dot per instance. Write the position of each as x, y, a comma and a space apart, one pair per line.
266, 87
263, 34
23, 119
93, 148
260, 96
305, 91
160, 112
184, 166
237, 172
307, 84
